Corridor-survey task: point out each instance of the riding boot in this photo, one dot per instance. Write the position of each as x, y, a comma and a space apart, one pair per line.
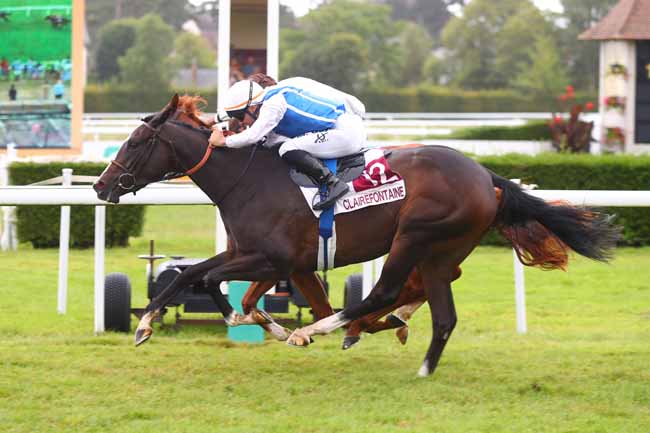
314, 168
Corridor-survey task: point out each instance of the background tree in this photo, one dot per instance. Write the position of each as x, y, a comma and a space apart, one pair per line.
101, 12
370, 22
188, 46
545, 78
340, 61
489, 43
432, 15
416, 46
147, 64
115, 38
582, 56
516, 40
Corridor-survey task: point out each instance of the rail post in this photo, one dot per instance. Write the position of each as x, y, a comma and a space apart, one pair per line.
64, 248
100, 225
8, 240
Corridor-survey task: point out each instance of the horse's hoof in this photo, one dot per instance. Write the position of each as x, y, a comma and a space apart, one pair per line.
297, 338
424, 370
349, 341
395, 320
402, 334
142, 335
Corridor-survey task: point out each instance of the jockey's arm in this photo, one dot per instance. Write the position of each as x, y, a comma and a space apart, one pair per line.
270, 115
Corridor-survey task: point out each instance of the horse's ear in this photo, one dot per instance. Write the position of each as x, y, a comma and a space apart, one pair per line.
174, 101
166, 112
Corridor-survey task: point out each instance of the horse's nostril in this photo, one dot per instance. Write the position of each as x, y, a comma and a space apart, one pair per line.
99, 185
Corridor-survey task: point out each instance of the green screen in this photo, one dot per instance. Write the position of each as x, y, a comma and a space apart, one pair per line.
26, 34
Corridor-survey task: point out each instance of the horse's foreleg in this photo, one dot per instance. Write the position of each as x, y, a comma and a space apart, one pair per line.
191, 275
402, 258
252, 267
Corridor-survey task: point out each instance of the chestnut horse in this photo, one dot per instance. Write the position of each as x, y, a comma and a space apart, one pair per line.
449, 206
411, 296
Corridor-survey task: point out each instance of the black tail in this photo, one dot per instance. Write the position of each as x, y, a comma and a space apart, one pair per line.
541, 231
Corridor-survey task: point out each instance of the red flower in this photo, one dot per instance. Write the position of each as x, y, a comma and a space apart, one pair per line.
569, 89
563, 98
557, 119
589, 106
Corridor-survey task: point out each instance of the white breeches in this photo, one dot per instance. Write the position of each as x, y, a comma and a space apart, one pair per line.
347, 137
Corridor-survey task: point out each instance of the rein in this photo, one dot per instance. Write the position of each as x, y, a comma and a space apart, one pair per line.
127, 171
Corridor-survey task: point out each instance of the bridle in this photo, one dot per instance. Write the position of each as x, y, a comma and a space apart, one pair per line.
127, 179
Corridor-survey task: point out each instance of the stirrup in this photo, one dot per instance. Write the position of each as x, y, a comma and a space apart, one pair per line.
331, 198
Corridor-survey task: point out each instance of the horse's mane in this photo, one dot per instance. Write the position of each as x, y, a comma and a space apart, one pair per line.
191, 106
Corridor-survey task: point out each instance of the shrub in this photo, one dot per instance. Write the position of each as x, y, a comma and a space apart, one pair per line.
443, 99
529, 131
585, 172
40, 224
119, 98
113, 98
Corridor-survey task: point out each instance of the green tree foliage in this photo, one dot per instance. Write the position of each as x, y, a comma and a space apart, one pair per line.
582, 56
340, 62
372, 25
147, 63
546, 77
471, 42
188, 46
101, 12
115, 38
515, 42
416, 46
287, 17
432, 15
490, 43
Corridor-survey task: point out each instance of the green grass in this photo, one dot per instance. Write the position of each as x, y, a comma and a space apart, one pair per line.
582, 367
29, 90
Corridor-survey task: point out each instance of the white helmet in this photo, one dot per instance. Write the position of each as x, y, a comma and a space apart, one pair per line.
242, 95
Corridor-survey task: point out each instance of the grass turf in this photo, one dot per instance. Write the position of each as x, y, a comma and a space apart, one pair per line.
582, 367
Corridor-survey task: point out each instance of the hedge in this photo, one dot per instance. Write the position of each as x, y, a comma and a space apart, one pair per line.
116, 98
584, 172
437, 99
40, 224
537, 130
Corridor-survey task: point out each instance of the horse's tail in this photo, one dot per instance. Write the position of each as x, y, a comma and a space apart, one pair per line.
541, 232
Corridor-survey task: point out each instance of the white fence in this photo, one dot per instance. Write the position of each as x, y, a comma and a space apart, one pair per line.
190, 195
107, 129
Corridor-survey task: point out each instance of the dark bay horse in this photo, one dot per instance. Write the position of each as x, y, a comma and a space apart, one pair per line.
450, 204
411, 296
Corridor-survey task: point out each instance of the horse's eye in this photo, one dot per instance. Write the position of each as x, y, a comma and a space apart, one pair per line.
131, 144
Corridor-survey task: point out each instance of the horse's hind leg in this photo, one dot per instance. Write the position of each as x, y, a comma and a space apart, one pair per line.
260, 317
314, 292
443, 312
309, 285
371, 323
402, 258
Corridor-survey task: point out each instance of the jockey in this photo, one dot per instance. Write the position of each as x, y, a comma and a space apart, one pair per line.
309, 120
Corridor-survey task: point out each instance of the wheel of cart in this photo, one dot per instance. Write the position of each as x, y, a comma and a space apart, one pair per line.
117, 302
353, 290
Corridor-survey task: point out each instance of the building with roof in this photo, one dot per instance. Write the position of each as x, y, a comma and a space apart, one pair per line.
624, 70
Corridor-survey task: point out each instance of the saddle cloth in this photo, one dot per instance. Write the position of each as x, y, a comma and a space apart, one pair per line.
369, 177
371, 183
